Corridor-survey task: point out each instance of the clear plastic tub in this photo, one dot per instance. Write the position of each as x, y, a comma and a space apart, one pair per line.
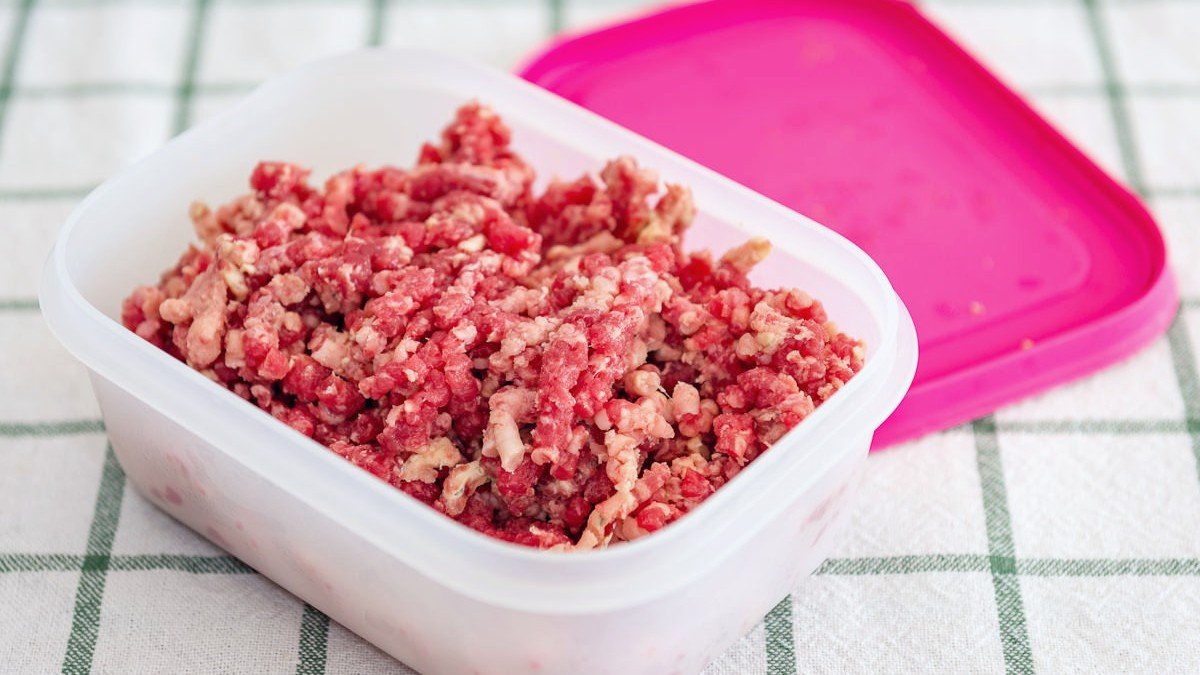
437, 595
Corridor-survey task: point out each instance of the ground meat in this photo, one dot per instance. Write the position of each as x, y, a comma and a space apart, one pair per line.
550, 369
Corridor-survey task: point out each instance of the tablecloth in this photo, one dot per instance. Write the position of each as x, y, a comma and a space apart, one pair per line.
1061, 534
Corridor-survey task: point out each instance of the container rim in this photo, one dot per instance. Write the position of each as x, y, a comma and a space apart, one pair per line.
516, 576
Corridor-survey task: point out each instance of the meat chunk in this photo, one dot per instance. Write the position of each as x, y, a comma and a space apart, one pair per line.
552, 369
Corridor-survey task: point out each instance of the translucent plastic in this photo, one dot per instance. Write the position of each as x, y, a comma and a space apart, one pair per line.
434, 594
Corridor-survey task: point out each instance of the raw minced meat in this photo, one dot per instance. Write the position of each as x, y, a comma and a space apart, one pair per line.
550, 369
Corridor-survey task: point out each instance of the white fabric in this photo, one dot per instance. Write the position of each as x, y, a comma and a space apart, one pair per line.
1103, 519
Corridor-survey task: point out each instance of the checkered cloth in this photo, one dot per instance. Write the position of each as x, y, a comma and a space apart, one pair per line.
1059, 535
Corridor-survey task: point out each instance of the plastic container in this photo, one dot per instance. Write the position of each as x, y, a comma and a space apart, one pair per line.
1024, 265
433, 593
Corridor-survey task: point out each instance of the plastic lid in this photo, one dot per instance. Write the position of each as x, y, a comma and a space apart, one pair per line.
1023, 264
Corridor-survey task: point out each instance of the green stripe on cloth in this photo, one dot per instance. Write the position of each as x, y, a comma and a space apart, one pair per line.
45, 194
12, 57
1118, 106
781, 639
1118, 427
1170, 90
1174, 192
1169, 567
557, 18
1184, 362
85, 624
1035, 567
905, 564
1014, 636
191, 64
314, 641
28, 562
86, 89
193, 564
56, 428
81, 89
377, 11
19, 305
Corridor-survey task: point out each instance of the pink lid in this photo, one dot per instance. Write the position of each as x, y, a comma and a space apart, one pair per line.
1023, 264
